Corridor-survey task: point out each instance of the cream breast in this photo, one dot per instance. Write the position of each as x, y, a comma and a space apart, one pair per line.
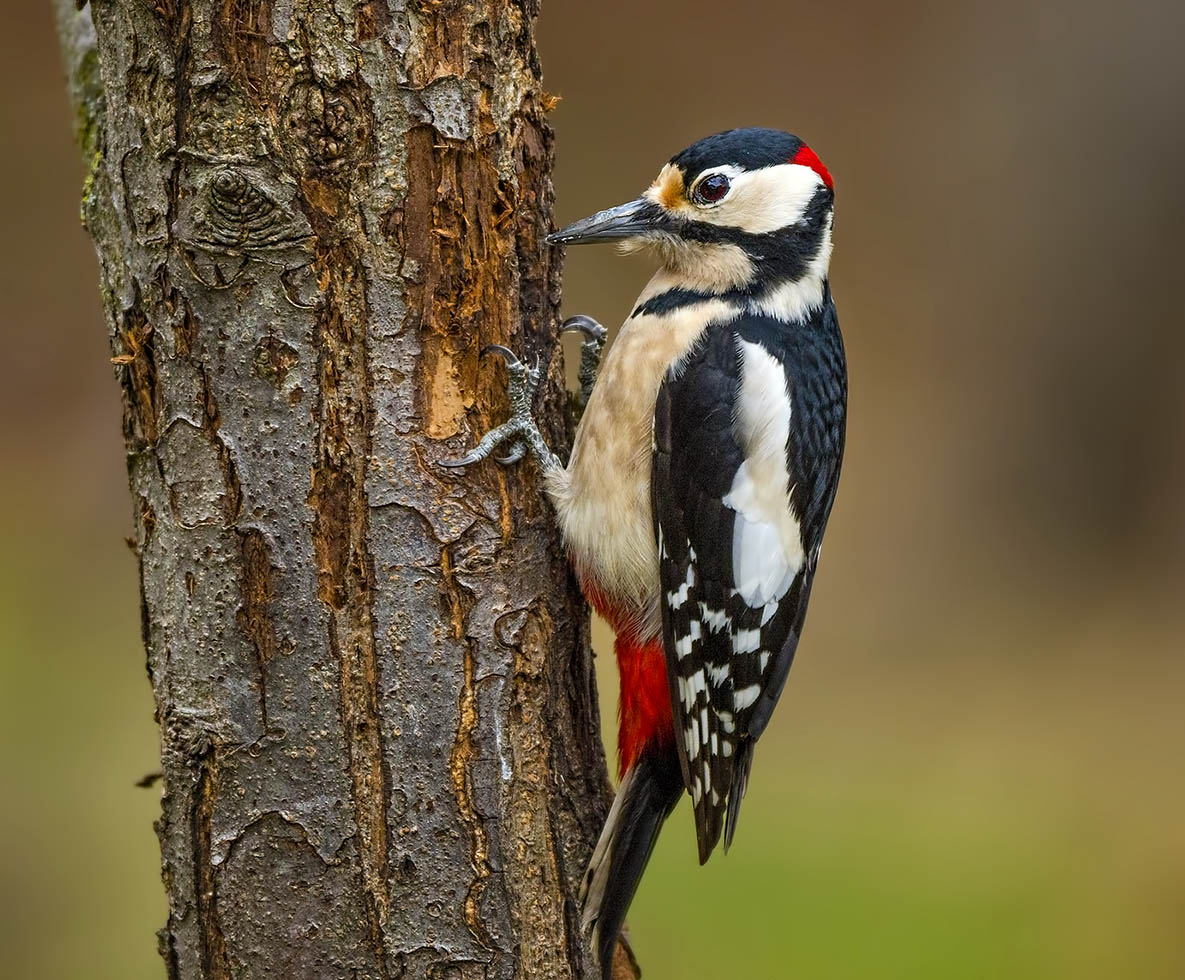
603, 497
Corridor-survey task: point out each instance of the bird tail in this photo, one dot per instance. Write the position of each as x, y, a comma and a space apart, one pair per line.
740, 783
647, 794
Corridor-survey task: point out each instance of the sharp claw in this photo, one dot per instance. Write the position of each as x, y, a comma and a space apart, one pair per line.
486, 446
585, 325
507, 354
517, 453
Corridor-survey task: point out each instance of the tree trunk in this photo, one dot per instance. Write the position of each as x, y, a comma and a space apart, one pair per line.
378, 717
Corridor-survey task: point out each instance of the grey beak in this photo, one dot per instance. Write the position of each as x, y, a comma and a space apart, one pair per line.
630, 220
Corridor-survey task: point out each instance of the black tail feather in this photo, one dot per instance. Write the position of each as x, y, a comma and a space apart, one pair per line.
647, 795
740, 783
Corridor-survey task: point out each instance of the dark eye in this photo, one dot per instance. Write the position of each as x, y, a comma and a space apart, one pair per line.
711, 189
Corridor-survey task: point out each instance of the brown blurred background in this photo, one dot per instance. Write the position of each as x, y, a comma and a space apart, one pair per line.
977, 768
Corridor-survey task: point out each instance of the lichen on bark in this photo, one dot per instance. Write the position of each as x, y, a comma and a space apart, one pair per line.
372, 676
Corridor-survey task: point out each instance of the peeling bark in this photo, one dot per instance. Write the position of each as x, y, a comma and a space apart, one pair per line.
378, 718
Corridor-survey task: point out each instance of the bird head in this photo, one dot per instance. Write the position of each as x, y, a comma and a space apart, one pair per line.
742, 210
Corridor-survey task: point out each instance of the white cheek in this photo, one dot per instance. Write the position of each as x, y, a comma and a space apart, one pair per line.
766, 200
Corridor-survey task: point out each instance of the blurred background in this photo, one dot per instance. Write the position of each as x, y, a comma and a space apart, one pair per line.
977, 768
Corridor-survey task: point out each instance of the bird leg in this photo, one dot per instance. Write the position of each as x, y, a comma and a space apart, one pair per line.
590, 353
520, 429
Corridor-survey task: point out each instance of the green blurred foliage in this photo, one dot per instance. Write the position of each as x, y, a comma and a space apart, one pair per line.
976, 769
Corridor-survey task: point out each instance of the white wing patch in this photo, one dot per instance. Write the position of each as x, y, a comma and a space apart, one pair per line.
767, 549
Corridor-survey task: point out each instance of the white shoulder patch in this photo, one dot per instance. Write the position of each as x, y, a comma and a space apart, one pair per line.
767, 545
759, 561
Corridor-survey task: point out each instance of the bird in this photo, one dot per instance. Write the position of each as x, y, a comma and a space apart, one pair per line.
700, 481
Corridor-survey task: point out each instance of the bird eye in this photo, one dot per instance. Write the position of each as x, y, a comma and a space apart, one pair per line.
711, 189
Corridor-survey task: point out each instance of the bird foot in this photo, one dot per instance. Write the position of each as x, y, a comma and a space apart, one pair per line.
520, 430
590, 352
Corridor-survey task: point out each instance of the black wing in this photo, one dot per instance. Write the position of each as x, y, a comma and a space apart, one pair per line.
734, 595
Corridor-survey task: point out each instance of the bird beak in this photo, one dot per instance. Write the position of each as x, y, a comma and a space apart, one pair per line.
633, 220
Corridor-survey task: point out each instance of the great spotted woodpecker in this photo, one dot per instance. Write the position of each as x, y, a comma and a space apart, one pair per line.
701, 479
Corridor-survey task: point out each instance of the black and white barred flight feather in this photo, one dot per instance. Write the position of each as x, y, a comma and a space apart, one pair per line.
749, 433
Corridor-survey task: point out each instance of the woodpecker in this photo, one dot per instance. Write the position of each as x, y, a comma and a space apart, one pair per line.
701, 479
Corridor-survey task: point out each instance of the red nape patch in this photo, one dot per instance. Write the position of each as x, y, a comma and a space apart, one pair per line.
806, 157
644, 704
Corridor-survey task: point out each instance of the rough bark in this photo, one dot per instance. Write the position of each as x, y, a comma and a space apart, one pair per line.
377, 711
